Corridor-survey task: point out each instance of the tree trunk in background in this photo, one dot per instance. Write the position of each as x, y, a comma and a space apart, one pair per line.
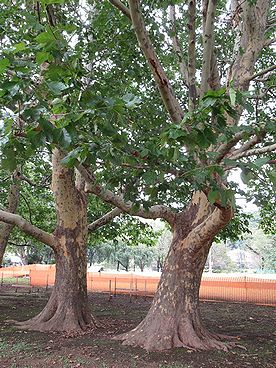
6, 229
174, 319
67, 308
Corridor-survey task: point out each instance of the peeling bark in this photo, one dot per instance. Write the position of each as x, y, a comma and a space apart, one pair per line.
67, 308
174, 319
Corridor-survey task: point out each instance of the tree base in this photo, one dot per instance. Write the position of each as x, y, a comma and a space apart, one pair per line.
185, 336
61, 317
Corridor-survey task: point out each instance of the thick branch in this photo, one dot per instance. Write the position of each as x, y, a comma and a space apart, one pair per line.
250, 41
192, 54
119, 5
166, 91
28, 228
177, 49
253, 152
154, 212
104, 219
208, 46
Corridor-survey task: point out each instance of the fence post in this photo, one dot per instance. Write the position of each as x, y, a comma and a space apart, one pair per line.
130, 290
47, 279
115, 286
110, 295
136, 289
145, 296
245, 285
2, 279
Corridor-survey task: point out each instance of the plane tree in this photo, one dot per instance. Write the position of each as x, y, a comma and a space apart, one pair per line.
153, 128
35, 134
207, 113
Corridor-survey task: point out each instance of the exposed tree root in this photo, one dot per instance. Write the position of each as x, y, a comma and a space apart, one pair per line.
61, 317
183, 335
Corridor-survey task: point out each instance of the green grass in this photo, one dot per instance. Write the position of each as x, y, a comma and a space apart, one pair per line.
8, 349
14, 280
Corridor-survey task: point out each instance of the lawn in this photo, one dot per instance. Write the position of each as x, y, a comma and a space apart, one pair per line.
253, 325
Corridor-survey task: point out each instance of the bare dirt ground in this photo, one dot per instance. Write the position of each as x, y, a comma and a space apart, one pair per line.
253, 325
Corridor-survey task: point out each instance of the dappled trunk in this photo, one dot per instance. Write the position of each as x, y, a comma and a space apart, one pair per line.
174, 319
67, 308
5, 229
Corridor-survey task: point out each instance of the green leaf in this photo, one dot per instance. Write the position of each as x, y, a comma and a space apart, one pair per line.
19, 47
72, 158
246, 175
214, 195
47, 2
4, 63
261, 161
43, 56
56, 87
45, 38
232, 95
149, 177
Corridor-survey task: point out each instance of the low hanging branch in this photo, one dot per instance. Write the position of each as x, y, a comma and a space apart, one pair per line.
28, 228
154, 212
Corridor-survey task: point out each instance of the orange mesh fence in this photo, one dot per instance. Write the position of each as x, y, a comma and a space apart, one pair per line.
221, 288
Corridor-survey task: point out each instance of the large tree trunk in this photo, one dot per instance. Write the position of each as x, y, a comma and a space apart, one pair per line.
67, 308
174, 318
5, 229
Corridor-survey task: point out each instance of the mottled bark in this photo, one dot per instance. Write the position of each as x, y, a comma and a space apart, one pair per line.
174, 319
5, 229
67, 308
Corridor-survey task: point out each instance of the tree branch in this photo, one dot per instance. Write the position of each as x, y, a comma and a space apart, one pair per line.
256, 151
28, 228
250, 41
177, 49
154, 212
208, 46
226, 147
119, 5
166, 91
192, 54
249, 144
262, 72
104, 219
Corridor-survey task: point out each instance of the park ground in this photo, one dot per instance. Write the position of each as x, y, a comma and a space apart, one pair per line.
253, 325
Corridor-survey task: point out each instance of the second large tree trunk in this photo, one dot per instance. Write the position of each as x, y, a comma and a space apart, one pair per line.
67, 308
174, 318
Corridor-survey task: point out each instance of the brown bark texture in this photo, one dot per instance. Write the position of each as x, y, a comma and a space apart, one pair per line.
6, 229
174, 318
67, 308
